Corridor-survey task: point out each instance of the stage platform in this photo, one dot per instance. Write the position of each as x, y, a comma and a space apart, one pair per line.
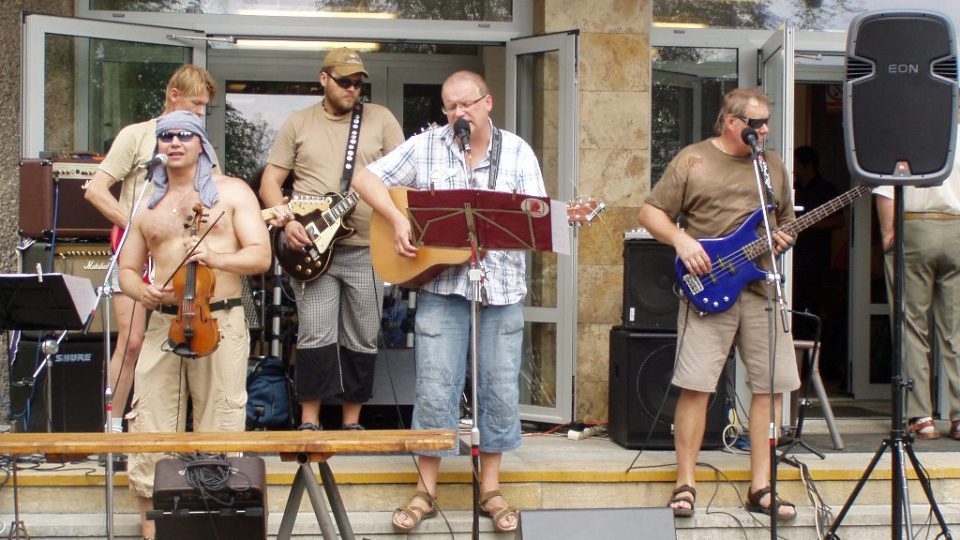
547, 472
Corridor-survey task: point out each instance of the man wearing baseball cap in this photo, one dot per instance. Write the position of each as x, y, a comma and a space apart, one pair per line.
339, 312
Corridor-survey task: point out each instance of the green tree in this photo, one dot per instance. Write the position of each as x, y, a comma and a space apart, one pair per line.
246, 142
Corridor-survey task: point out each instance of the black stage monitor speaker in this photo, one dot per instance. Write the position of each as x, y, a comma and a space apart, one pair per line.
605, 523
642, 400
649, 301
77, 392
234, 505
900, 98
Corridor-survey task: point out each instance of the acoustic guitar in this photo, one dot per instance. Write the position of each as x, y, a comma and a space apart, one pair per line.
431, 261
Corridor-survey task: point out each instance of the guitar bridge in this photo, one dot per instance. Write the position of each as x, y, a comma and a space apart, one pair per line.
693, 283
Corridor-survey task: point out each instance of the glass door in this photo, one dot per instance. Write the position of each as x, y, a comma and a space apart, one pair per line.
541, 106
84, 80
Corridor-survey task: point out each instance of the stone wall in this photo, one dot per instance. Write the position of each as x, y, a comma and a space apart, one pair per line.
615, 98
10, 55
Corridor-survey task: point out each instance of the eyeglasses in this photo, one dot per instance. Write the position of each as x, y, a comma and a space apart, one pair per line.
184, 136
450, 109
346, 83
755, 123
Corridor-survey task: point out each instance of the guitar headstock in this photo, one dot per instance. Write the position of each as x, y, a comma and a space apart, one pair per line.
584, 210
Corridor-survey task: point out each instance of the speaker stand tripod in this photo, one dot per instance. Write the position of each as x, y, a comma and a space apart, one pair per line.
898, 443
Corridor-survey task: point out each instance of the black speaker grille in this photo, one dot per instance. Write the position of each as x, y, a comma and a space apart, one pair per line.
946, 68
649, 297
858, 68
642, 400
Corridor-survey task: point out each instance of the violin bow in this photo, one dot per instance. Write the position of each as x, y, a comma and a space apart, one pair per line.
194, 248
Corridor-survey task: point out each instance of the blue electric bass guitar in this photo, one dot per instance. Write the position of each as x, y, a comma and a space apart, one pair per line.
732, 257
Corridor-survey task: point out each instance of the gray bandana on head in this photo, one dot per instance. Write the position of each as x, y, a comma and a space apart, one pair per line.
203, 182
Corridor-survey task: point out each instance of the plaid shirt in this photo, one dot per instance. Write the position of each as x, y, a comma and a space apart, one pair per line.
434, 159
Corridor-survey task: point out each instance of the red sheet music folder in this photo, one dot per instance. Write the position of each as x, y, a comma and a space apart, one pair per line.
441, 218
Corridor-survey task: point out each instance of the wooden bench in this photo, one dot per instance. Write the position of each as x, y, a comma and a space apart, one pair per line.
304, 447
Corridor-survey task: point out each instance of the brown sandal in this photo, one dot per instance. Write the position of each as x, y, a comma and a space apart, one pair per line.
415, 513
753, 504
954, 430
675, 498
924, 429
498, 515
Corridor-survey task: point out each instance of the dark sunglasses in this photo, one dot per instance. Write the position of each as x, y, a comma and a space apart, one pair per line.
346, 83
755, 123
184, 136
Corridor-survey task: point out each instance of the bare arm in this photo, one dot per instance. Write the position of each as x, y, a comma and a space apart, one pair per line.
271, 184
271, 193
665, 230
885, 214
132, 257
98, 194
372, 190
253, 257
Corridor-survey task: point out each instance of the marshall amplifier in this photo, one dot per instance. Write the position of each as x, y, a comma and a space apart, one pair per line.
41, 204
89, 260
202, 497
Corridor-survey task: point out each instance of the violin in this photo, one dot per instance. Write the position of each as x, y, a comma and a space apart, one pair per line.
194, 332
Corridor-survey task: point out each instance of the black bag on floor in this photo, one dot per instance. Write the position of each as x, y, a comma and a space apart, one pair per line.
268, 395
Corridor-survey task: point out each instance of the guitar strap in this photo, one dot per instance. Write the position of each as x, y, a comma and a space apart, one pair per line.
495, 145
353, 141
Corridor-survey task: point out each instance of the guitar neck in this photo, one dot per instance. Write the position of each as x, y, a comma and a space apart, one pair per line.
349, 201
759, 246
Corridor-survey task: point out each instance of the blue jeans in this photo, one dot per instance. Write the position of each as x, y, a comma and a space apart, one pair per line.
443, 353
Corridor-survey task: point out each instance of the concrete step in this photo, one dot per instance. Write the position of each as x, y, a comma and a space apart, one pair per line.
546, 473
864, 522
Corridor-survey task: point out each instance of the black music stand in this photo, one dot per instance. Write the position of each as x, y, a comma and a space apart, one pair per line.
42, 302
481, 220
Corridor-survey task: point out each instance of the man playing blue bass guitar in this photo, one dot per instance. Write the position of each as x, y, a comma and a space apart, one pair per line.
712, 184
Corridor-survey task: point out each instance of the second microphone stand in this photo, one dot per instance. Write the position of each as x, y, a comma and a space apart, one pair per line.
774, 284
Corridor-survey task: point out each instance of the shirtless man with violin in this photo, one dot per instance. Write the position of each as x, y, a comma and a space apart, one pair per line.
197, 296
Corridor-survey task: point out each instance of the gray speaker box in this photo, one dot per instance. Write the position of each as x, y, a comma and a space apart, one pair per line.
605, 523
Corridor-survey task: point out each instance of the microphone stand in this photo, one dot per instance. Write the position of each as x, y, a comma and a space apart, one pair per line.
765, 192
476, 275
106, 293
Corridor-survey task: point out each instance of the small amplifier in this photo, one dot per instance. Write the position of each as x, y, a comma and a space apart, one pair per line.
210, 497
52, 190
82, 259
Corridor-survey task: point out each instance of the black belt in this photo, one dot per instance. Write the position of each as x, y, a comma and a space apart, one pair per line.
214, 306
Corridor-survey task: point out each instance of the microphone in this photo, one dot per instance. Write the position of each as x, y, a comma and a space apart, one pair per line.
159, 159
749, 136
461, 128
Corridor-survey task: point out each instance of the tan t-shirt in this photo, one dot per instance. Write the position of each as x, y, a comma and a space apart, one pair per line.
312, 144
717, 192
131, 147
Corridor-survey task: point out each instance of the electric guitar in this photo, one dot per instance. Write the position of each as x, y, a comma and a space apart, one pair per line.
732, 257
431, 261
322, 217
